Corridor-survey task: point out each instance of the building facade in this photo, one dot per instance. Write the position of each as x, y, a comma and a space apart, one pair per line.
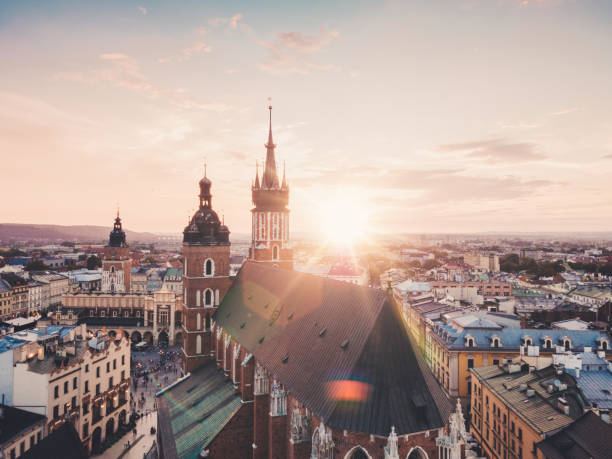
206, 255
75, 377
270, 241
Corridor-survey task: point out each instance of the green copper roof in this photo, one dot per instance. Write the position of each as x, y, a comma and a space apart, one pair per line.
198, 408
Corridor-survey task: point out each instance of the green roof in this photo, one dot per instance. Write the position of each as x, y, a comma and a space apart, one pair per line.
198, 408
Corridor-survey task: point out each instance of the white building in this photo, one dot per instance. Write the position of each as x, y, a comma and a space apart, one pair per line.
64, 374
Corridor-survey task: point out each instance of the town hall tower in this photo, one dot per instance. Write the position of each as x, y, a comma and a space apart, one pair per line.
206, 252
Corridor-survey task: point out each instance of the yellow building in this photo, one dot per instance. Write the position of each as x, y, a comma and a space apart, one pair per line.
513, 408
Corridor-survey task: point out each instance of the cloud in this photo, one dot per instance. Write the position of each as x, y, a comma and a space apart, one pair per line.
425, 187
495, 150
232, 22
200, 46
122, 71
565, 111
287, 54
142, 9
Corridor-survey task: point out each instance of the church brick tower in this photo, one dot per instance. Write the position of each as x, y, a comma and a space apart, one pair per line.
116, 264
270, 243
206, 253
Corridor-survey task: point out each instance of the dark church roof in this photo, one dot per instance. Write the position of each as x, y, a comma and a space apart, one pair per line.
340, 349
588, 437
63, 442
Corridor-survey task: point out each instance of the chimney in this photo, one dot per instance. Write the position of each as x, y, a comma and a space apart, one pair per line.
563, 405
530, 392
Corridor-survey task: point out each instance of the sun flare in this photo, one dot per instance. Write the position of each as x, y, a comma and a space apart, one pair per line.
343, 219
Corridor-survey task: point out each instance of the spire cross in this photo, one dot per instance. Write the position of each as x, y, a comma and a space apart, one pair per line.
204, 166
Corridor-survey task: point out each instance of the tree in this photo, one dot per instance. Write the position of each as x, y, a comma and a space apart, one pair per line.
94, 262
430, 264
35, 265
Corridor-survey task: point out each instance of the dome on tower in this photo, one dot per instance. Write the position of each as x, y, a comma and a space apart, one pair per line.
117, 235
205, 227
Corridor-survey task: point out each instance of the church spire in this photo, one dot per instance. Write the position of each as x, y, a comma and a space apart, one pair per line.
256, 174
284, 184
270, 178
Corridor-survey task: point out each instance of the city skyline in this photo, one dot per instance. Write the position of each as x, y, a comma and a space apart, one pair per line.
398, 118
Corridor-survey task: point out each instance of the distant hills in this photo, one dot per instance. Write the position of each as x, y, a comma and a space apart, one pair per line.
55, 233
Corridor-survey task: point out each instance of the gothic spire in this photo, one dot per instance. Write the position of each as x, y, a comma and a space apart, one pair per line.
256, 174
270, 178
284, 185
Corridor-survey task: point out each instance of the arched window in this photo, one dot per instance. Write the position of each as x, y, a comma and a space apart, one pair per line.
209, 268
567, 344
548, 343
199, 344
604, 345
112, 269
470, 342
527, 341
208, 297
275, 253
358, 452
207, 323
198, 321
417, 453
495, 342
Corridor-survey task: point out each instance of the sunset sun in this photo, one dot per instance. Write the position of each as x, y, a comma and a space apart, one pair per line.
345, 219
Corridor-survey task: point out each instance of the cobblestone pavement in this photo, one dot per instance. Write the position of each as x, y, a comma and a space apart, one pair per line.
158, 379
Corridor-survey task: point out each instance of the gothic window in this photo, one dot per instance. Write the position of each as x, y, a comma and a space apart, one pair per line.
209, 268
358, 452
112, 269
208, 297
275, 252
417, 453
198, 321
199, 344
207, 323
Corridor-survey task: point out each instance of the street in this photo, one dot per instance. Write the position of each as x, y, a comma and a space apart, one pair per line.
150, 373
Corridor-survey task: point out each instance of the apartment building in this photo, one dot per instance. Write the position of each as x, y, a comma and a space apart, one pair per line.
453, 342
514, 407
20, 430
482, 262
69, 375
486, 289
56, 285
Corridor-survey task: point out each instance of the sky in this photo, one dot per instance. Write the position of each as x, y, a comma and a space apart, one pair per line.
420, 116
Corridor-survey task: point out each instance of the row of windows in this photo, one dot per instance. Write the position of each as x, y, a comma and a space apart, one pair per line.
22, 448
56, 389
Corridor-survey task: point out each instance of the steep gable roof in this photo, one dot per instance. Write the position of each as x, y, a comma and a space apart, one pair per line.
339, 348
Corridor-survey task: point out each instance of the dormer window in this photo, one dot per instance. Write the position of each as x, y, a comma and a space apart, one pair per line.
495, 342
470, 341
527, 340
547, 342
567, 343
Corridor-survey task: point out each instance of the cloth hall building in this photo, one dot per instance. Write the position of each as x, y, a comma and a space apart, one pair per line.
291, 365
